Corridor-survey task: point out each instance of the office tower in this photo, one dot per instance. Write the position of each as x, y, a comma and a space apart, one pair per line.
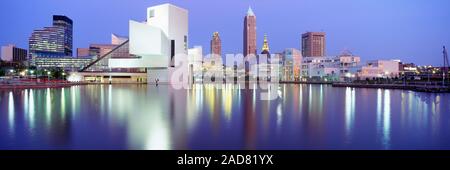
250, 33
54, 41
11, 53
216, 44
249, 37
67, 24
313, 44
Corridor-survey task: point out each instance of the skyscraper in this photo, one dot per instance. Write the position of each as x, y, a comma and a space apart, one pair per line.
249, 37
67, 24
313, 44
264, 66
250, 33
216, 44
54, 41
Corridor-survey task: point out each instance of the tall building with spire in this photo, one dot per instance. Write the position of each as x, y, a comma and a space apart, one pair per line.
265, 49
216, 44
264, 65
249, 36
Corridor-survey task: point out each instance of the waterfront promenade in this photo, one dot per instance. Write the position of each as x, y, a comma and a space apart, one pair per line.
36, 84
44, 83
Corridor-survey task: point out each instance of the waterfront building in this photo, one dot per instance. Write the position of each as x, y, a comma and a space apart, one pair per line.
291, 61
379, 69
330, 68
11, 53
152, 52
249, 36
54, 41
313, 44
67, 63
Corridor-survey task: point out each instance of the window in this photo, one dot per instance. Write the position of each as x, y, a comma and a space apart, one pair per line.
151, 13
185, 43
172, 53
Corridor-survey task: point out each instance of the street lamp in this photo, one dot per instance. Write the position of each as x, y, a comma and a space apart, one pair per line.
48, 75
64, 75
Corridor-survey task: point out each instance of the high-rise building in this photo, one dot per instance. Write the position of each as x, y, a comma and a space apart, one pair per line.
216, 44
263, 67
67, 24
11, 53
313, 44
249, 37
54, 41
250, 33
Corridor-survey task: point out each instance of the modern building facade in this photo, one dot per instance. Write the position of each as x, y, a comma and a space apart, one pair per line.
67, 24
153, 52
54, 41
68, 63
11, 53
291, 61
313, 44
216, 44
379, 69
330, 68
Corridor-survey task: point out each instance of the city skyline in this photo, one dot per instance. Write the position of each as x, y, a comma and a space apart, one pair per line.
411, 37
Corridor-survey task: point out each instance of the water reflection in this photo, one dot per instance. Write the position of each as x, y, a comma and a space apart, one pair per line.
30, 111
206, 117
11, 113
387, 119
349, 112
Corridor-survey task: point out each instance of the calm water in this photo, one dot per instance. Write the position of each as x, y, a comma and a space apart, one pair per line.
149, 117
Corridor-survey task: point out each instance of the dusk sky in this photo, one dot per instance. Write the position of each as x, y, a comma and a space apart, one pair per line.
410, 30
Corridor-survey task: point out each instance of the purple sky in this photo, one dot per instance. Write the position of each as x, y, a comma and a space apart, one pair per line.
410, 30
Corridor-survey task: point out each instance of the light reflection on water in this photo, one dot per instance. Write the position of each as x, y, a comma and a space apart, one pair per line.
205, 117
